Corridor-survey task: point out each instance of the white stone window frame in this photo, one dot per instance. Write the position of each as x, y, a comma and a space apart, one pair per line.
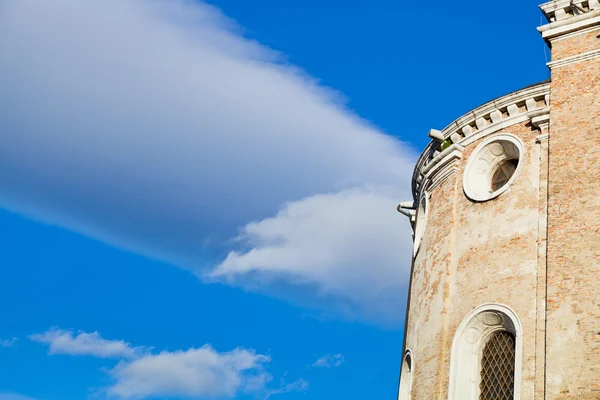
420, 222
472, 335
477, 186
406, 376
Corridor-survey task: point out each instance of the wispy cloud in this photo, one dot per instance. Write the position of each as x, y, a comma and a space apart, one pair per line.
297, 386
8, 342
14, 396
171, 128
85, 344
329, 361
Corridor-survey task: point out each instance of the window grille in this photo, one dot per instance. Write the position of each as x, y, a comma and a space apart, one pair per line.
498, 368
503, 174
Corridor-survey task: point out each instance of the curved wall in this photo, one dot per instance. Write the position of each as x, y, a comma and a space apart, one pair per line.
473, 253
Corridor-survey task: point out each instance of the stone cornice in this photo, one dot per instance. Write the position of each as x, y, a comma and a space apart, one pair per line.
495, 111
560, 10
567, 17
498, 114
577, 33
540, 117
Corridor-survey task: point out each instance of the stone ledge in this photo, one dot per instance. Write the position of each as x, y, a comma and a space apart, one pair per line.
574, 59
570, 25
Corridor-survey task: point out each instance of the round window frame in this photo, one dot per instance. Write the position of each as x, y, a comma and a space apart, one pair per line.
478, 195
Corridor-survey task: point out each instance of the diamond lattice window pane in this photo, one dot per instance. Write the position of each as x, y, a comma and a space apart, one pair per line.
498, 368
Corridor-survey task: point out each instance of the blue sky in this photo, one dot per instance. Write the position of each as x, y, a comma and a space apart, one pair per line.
197, 200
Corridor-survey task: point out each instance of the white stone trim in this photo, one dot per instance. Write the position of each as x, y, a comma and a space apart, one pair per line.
512, 108
577, 33
569, 25
495, 128
476, 119
560, 10
588, 55
470, 337
420, 222
542, 138
476, 185
405, 387
445, 166
428, 169
541, 120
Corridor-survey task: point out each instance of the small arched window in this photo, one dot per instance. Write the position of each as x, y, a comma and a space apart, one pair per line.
486, 355
404, 393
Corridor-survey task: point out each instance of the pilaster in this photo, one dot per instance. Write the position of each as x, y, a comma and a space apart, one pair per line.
542, 123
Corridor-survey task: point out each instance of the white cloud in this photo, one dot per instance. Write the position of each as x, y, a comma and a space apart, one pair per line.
157, 127
8, 342
329, 361
197, 372
297, 386
13, 396
348, 242
88, 344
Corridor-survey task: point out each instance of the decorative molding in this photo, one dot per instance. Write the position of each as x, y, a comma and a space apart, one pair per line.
541, 120
439, 158
577, 33
495, 128
514, 108
508, 106
561, 10
447, 165
540, 112
570, 25
542, 138
588, 55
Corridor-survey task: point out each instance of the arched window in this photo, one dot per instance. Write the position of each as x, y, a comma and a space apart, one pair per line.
486, 355
404, 393
497, 376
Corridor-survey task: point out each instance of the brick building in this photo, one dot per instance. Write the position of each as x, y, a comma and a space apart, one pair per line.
504, 300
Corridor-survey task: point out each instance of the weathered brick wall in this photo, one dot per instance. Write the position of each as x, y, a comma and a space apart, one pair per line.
425, 336
472, 254
495, 252
573, 309
572, 45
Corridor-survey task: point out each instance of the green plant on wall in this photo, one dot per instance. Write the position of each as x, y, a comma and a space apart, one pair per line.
445, 144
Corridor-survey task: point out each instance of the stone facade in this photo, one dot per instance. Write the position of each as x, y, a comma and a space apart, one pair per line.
531, 248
